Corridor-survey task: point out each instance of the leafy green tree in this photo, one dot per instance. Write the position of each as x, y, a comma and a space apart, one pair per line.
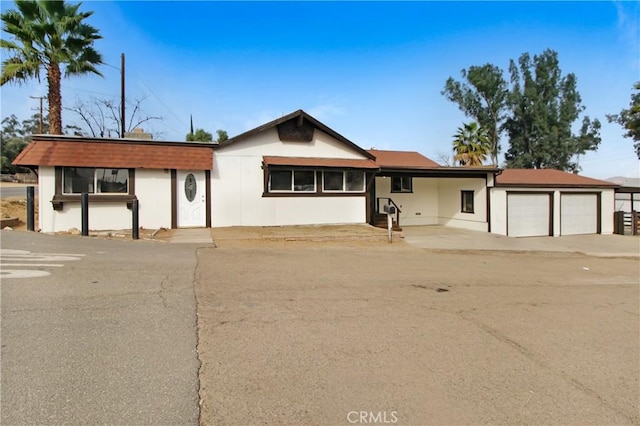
630, 119
471, 145
49, 36
222, 136
14, 137
543, 105
482, 97
199, 136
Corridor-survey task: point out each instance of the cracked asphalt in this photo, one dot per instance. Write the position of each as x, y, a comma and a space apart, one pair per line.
312, 333
107, 339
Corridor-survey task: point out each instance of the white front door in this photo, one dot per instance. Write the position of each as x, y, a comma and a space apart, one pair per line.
191, 198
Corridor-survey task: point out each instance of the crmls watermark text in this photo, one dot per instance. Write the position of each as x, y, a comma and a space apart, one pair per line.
372, 417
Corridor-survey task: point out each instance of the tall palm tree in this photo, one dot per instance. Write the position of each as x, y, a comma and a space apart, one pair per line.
48, 35
471, 145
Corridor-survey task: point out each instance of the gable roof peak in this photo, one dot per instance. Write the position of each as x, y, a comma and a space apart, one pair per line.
302, 117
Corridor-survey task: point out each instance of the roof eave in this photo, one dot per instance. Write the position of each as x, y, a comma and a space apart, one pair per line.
84, 139
553, 185
437, 170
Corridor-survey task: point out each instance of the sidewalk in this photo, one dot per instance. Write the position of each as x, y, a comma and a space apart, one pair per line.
191, 236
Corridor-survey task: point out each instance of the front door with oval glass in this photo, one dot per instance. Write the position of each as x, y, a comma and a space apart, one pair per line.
191, 198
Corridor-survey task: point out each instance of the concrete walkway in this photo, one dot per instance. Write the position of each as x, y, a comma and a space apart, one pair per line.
446, 238
191, 236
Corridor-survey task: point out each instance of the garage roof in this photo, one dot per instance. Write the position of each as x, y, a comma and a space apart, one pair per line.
47, 150
548, 178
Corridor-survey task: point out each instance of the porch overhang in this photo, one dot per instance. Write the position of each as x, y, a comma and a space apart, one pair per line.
439, 172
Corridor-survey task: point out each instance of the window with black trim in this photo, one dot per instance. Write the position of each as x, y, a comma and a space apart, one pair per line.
78, 180
401, 184
292, 181
347, 181
467, 201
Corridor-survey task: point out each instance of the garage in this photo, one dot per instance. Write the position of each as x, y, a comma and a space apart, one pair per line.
579, 213
529, 214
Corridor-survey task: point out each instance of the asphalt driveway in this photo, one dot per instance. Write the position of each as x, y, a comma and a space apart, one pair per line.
320, 333
447, 238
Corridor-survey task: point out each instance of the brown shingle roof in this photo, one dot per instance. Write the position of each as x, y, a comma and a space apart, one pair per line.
319, 162
547, 177
402, 160
85, 153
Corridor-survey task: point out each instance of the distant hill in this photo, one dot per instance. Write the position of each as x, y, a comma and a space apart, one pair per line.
624, 181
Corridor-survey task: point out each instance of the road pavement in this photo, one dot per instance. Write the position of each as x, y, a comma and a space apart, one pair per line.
106, 336
15, 190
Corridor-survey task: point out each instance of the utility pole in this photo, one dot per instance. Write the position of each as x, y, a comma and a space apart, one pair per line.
41, 117
122, 115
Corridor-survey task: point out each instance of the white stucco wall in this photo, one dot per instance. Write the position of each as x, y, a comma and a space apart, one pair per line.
46, 190
436, 201
499, 207
498, 200
237, 184
607, 208
449, 203
153, 189
417, 208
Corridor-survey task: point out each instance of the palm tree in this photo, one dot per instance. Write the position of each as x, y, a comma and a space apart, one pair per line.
48, 35
471, 145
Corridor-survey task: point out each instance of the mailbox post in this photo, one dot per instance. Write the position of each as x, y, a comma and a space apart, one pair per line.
389, 210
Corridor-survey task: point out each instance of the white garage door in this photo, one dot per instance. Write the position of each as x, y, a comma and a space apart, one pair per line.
528, 215
578, 214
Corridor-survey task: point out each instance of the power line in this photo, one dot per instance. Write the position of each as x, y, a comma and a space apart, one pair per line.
160, 100
89, 91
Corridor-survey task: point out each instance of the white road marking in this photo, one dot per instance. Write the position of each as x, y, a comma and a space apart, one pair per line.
11, 252
33, 265
38, 258
15, 258
23, 273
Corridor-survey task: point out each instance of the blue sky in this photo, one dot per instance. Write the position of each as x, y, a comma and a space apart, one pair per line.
371, 71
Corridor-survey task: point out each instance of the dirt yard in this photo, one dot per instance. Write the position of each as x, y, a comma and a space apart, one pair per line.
17, 207
319, 333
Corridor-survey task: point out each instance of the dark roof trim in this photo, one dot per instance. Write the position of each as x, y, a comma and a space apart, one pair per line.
301, 115
130, 141
320, 163
438, 172
628, 189
551, 185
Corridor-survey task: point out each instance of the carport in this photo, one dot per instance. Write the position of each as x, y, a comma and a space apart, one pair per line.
627, 215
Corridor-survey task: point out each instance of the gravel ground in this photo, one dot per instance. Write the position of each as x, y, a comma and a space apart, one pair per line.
366, 332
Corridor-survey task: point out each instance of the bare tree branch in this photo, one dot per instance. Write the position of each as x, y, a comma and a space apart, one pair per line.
101, 116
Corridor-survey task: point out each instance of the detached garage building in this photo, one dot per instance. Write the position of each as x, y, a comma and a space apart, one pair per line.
545, 202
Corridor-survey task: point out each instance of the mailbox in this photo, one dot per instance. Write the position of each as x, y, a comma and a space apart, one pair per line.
389, 209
